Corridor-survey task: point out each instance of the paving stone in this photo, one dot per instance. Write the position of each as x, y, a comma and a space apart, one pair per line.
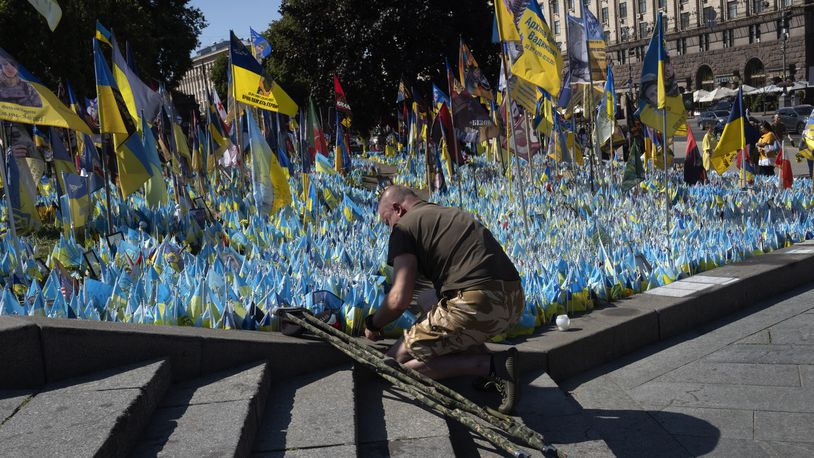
634, 433
764, 354
729, 423
797, 331
784, 426
99, 415
746, 397
11, 400
787, 449
333, 451
216, 415
807, 377
541, 396
735, 373
761, 337
721, 447
314, 410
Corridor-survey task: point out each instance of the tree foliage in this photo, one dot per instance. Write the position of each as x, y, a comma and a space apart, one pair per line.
161, 33
370, 45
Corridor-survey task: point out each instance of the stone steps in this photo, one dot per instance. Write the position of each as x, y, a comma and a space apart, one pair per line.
392, 424
215, 415
101, 414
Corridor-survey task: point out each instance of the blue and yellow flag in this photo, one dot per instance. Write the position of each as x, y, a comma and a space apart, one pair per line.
541, 61
76, 198
606, 115
113, 115
439, 97
133, 165
73, 103
22, 195
139, 98
252, 86
155, 189
261, 48
24, 99
659, 95
102, 34
63, 162
271, 188
736, 135
504, 21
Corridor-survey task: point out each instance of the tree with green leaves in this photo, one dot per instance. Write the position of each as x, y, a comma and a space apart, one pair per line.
161, 33
370, 45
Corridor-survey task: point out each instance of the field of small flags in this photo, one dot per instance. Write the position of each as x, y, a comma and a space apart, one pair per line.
228, 267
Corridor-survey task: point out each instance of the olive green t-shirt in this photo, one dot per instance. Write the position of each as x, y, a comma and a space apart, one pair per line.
454, 250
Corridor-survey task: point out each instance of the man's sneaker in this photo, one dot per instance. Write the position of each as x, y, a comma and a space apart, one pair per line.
507, 379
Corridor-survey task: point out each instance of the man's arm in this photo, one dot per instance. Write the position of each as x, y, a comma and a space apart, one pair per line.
398, 299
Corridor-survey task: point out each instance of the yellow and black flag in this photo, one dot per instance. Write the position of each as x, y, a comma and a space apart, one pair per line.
252, 86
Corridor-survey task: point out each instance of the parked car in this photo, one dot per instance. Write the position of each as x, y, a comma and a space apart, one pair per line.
718, 117
794, 118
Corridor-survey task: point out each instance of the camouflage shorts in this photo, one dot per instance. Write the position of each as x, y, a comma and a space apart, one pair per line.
468, 319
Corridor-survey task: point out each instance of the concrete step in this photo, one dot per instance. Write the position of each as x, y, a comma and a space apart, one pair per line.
392, 424
310, 415
215, 415
101, 414
543, 407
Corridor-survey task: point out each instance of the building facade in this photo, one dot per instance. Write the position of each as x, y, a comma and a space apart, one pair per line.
711, 43
196, 82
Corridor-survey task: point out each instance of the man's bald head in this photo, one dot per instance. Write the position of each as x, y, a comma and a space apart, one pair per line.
394, 203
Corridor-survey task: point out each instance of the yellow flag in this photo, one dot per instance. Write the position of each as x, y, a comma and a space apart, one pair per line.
541, 61
505, 22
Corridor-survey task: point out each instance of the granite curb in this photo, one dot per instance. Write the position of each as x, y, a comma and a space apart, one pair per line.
44, 350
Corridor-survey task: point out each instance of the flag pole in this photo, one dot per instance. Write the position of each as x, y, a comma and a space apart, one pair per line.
7, 148
454, 153
508, 121
589, 109
106, 147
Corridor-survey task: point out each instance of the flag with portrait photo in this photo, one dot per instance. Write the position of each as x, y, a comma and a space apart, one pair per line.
806, 146
404, 92
658, 89
252, 86
261, 48
473, 80
541, 61
24, 99
22, 193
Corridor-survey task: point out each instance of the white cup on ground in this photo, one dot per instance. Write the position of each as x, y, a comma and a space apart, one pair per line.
563, 322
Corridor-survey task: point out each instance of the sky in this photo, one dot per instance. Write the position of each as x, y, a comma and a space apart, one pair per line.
238, 15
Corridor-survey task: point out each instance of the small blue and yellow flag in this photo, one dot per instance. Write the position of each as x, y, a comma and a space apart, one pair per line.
102, 34
261, 48
76, 196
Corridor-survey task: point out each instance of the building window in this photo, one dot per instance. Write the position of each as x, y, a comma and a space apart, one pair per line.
685, 21
703, 42
556, 27
607, 36
623, 10
555, 7
661, 4
754, 33
642, 6
787, 3
644, 29
571, 5
709, 14
728, 38
731, 10
604, 14
757, 6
